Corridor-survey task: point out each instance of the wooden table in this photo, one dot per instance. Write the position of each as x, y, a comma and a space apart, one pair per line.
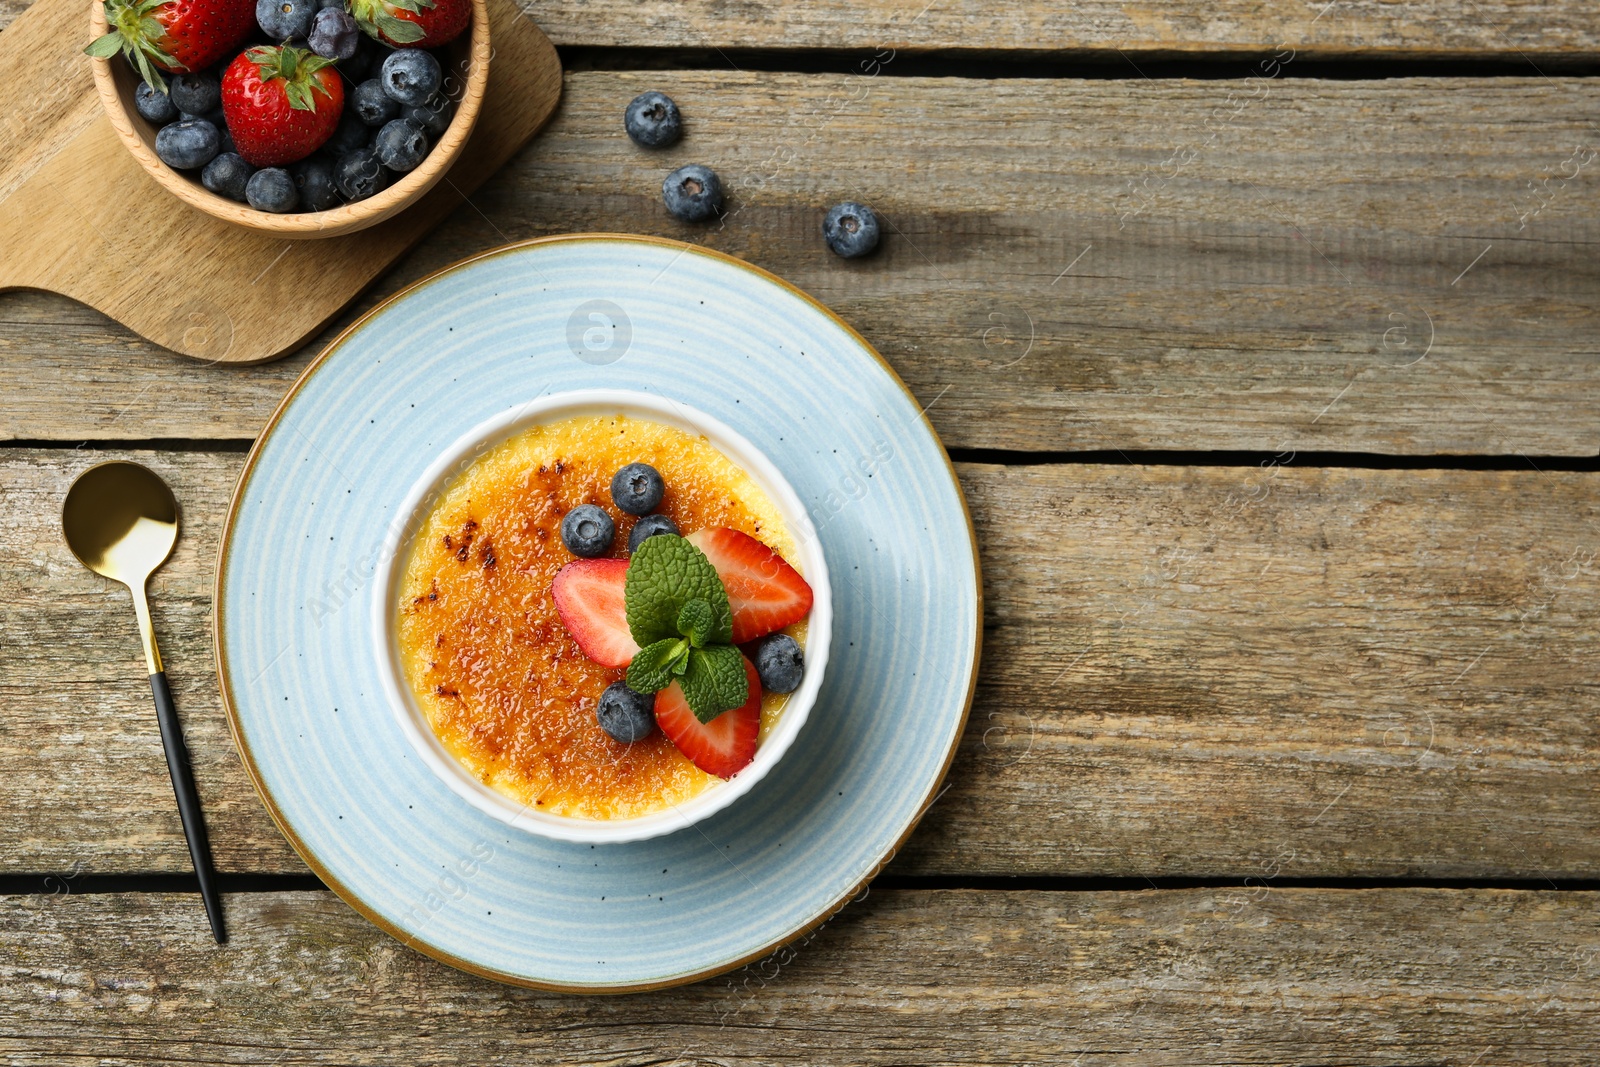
1264, 339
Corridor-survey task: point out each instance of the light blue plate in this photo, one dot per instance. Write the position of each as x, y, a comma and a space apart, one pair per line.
321, 487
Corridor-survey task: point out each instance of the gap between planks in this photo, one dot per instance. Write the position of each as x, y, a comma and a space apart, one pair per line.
1017, 458
728, 32
78, 884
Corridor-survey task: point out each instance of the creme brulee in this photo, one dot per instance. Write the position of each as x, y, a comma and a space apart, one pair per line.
505, 688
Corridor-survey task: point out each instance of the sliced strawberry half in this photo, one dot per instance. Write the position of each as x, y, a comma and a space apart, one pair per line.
589, 599
765, 593
725, 745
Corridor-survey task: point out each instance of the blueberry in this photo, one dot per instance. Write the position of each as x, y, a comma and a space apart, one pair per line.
272, 189
647, 527
214, 116
780, 663
375, 106
693, 193
637, 488
188, 145
226, 175
587, 530
313, 180
410, 75
851, 229
195, 93
433, 116
349, 135
326, 5
226, 137
364, 64
156, 106
283, 19
359, 174
625, 715
334, 34
401, 145
652, 120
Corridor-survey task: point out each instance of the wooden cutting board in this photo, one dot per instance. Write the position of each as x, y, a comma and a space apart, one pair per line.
79, 217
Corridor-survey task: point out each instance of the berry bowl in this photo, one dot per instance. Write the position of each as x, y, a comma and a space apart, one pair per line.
412, 517
465, 67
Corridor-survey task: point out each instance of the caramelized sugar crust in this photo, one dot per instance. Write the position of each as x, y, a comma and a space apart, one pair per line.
505, 688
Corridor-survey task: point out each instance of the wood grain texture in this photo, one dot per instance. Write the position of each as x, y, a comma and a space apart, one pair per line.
1187, 671
1237, 977
1424, 28
1068, 264
83, 218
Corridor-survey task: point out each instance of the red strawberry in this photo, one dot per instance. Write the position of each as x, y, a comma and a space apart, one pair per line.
413, 23
174, 35
281, 103
766, 594
725, 745
589, 599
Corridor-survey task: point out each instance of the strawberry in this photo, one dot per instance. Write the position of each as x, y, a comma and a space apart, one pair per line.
174, 35
413, 23
270, 99
765, 593
725, 745
589, 599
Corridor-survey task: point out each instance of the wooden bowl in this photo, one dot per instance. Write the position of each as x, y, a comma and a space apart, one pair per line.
466, 75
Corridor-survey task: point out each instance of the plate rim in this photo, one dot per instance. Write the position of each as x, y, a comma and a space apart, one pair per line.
353, 899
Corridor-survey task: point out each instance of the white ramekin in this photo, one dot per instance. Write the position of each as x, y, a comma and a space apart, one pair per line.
412, 514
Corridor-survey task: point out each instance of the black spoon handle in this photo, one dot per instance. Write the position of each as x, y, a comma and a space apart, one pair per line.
194, 822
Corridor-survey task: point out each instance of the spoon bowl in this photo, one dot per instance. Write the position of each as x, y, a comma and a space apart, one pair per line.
121, 521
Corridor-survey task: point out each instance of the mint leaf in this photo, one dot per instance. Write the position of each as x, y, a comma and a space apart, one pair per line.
696, 620
715, 680
654, 666
665, 574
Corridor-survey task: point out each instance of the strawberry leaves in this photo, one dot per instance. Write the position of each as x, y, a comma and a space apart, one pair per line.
297, 68
398, 30
678, 612
378, 19
137, 34
105, 46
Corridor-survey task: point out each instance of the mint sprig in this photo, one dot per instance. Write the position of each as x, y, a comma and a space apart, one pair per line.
678, 612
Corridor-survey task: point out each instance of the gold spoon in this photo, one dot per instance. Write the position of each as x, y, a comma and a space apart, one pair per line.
121, 521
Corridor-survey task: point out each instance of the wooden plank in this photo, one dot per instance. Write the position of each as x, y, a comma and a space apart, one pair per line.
1230, 976
1422, 28
1187, 671
1069, 264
